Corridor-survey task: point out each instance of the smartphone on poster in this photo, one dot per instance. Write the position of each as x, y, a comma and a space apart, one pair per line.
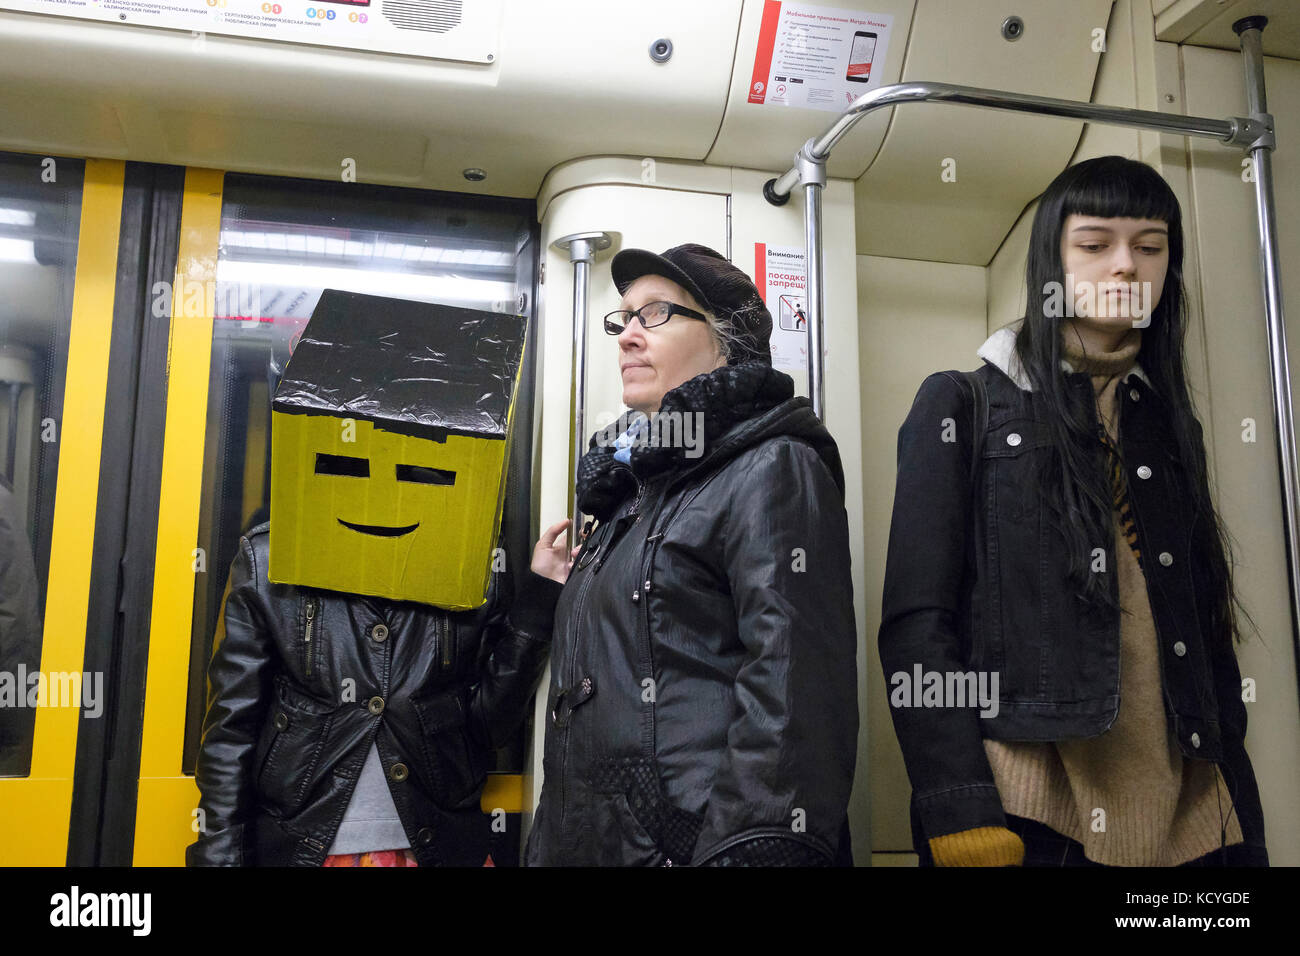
860, 56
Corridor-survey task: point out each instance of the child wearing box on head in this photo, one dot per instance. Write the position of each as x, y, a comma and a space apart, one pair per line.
368, 660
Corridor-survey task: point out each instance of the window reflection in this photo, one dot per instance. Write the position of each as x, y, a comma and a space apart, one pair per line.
40, 212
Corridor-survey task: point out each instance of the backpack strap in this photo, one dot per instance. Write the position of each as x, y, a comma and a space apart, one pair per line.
979, 416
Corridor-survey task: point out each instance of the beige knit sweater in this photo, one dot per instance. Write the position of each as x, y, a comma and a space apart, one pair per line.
1128, 795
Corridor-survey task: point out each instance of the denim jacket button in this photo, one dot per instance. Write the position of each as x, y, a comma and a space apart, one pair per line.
1133, 394
1144, 471
1166, 558
1196, 740
1180, 648
1013, 439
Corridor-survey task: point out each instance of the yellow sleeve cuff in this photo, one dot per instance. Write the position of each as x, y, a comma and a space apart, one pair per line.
982, 846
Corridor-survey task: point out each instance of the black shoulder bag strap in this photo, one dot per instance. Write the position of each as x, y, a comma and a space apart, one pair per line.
979, 418
979, 424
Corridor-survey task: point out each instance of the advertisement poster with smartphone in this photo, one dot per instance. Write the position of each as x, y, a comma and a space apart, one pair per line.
779, 275
817, 58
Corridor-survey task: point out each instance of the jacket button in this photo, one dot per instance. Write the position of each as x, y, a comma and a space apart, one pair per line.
636, 596
379, 633
281, 721
1166, 558
399, 772
424, 837
375, 705
1180, 648
1133, 394
1144, 471
1013, 439
1196, 740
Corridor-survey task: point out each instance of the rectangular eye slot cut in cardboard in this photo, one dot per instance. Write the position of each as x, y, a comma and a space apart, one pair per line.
342, 465
425, 476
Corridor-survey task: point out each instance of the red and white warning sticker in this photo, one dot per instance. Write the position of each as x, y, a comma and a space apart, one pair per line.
819, 58
779, 275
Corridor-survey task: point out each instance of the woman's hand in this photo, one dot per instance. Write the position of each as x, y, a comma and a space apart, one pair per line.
549, 559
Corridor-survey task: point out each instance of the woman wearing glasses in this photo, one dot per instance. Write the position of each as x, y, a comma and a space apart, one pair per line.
703, 706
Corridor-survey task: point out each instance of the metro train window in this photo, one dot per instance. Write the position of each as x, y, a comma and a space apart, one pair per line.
40, 215
281, 243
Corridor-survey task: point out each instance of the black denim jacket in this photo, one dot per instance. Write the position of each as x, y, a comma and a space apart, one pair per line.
976, 581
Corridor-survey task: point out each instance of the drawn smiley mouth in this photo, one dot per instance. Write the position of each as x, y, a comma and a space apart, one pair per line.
379, 530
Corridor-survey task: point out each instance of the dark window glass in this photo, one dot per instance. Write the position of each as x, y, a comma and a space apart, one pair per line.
40, 220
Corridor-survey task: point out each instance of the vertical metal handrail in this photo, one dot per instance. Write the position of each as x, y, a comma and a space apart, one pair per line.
582, 248
11, 449
1249, 29
813, 176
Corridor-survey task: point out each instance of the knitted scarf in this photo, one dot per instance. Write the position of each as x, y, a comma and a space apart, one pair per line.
722, 399
1105, 364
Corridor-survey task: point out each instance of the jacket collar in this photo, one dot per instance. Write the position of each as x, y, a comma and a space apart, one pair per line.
740, 405
999, 350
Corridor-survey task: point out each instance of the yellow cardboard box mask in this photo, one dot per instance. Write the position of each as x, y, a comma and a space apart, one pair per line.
389, 438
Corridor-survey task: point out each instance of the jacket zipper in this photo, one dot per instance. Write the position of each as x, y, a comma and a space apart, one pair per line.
444, 630
573, 657
573, 664
311, 616
647, 569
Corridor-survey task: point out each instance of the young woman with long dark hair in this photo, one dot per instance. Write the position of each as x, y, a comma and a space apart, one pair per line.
1059, 613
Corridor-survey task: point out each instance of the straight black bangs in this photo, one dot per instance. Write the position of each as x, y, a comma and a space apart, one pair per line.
1115, 187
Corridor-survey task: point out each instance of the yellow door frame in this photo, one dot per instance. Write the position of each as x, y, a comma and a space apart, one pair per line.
165, 818
37, 808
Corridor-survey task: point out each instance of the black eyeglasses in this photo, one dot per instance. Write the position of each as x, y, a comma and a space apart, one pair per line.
650, 314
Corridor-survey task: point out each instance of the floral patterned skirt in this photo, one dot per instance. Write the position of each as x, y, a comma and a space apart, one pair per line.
403, 857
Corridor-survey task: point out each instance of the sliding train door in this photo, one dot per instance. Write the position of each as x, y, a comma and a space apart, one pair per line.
254, 255
60, 226
147, 313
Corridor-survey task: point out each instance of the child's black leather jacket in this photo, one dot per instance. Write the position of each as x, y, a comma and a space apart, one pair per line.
301, 682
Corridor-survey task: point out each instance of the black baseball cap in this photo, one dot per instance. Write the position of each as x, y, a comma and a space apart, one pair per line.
715, 283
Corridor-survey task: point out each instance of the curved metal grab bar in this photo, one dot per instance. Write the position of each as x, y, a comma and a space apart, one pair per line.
1236, 131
